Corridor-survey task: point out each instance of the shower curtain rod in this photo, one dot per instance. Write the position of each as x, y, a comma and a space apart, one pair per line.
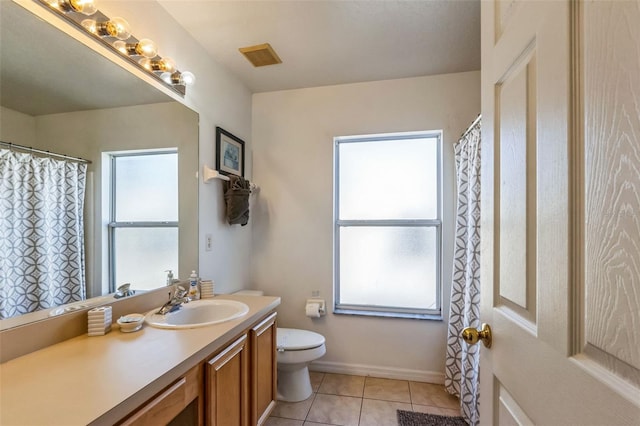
471, 126
11, 145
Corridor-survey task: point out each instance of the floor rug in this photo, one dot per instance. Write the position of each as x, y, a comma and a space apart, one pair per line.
410, 418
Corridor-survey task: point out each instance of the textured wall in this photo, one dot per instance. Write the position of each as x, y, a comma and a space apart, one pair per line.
293, 230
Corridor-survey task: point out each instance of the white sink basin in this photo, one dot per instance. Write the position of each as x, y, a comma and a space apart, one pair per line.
198, 313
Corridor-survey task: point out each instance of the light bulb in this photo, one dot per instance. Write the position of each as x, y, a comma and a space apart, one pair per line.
147, 64
166, 77
53, 3
167, 64
86, 7
90, 25
121, 46
187, 78
164, 64
146, 48
118, 28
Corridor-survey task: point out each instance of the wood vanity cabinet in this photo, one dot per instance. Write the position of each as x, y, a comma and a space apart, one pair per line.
180, 403
262, 341
240, 380
234, 386
227, 386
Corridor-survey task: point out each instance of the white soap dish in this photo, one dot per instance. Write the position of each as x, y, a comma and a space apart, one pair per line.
130, 322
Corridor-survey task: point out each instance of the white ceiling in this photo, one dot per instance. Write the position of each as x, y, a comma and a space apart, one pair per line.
320, 42
336, 41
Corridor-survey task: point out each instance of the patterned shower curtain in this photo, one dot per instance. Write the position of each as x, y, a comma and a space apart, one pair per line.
41, 232
462, 360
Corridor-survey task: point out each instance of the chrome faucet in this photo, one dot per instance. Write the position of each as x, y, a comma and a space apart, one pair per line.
179, 297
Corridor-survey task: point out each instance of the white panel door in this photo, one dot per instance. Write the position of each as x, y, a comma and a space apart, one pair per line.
561, 212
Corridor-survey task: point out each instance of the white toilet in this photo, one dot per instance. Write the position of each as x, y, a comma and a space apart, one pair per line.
296, 349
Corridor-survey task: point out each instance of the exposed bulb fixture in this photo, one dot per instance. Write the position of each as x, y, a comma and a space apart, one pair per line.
115, 33
86, 7
144, 47
164, 64
114, 27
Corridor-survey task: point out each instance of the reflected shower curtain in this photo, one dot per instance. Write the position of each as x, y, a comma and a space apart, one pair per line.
462, 360
41, 232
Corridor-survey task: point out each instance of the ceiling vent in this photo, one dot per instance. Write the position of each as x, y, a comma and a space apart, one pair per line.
261, 55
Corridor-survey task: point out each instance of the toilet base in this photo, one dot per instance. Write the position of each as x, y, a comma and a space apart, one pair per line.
294, 385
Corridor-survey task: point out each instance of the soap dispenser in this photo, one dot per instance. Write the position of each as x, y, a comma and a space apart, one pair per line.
169, 276
194, 291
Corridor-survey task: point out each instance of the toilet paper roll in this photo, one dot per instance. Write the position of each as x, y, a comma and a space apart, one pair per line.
313, 310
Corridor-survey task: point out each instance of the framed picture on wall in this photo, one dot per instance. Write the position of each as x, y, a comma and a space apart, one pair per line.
229, 153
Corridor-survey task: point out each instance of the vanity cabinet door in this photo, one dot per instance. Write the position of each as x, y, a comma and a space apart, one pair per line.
178, 402
227, 386
263, 369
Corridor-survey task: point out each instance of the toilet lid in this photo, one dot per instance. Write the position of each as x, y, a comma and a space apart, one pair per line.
292, 339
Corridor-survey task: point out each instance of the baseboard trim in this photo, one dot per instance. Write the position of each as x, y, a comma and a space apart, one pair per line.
378, 371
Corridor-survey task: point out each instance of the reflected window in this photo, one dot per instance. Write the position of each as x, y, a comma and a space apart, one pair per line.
143, 226
388, 224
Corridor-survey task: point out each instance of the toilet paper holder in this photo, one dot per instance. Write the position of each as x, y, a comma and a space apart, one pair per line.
321, 305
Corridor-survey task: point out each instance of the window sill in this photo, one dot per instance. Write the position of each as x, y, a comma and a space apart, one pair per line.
428, 317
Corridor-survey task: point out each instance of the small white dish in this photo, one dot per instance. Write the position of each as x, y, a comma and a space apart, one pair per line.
130, 322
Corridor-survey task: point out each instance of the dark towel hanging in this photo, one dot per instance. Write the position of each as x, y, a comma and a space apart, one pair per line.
236, 196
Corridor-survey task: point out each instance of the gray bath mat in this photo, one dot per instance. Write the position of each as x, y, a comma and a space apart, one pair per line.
410, 418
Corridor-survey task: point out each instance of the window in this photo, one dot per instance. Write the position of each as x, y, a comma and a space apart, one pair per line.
387, 224
143, 224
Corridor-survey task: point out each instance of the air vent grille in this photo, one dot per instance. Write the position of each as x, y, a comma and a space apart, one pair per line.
261, 55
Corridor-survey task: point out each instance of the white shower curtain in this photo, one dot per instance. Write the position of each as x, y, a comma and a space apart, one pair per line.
463, 361
41, 232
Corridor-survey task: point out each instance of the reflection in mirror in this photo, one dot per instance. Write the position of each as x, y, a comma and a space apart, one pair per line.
60, 96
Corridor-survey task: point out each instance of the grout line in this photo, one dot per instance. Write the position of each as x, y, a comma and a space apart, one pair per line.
362, 398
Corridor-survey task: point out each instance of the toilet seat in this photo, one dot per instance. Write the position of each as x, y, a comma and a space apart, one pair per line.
291, 339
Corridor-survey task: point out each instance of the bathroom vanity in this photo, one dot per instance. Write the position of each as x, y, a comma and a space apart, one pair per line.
222, 374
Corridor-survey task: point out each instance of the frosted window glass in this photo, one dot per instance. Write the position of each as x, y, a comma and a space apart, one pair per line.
395, 179
142, 255
147, 188
389, 266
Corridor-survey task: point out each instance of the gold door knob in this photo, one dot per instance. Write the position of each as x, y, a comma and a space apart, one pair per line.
471, 335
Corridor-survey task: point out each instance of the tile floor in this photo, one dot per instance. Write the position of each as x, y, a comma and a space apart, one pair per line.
344, 400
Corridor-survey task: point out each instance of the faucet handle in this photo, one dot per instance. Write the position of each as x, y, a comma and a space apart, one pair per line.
180, 292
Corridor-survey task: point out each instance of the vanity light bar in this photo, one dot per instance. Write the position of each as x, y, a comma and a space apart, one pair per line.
116, 33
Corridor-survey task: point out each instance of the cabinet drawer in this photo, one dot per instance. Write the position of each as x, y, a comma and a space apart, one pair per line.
169, 403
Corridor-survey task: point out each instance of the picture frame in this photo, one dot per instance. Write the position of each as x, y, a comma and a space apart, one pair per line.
229, 153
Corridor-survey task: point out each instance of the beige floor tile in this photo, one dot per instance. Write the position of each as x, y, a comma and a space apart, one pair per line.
316, 380
430, 394
450, 412
293, 410
342, 384
387, 389
381, 413
279, 421
316, 424
436, 410
335, 410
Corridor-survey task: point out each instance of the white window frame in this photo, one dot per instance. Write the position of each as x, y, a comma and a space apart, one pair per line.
387, 311
113, 224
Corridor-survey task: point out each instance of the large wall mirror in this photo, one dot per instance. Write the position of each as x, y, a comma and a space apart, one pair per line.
58, 95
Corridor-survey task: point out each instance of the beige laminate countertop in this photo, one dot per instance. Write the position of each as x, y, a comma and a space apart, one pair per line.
98, 380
